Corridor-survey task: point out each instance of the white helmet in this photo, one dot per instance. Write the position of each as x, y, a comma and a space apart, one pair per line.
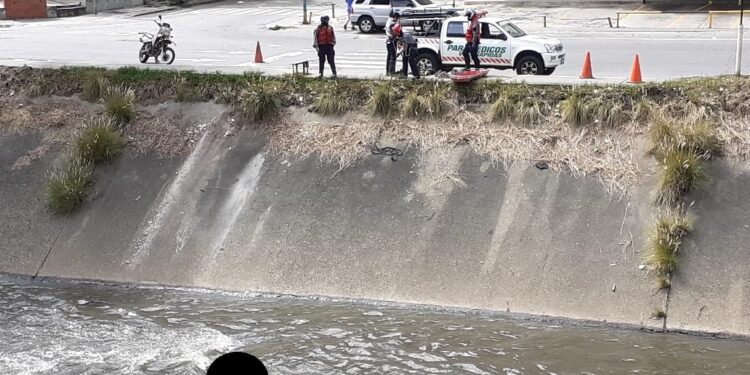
470, 13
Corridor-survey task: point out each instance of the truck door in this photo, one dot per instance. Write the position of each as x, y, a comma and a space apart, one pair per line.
452, 43
494, 47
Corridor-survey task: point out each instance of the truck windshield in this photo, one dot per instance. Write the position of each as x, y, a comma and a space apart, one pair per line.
513, 30
424, 2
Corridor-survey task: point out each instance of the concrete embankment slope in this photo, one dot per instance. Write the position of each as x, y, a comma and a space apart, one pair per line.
442, 228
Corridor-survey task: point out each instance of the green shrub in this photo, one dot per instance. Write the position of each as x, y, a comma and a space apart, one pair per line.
260, 102
120, 104
95, 86
682, 172
99, 142
68, 188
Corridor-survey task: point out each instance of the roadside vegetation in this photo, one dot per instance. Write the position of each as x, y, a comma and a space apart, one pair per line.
68, 187
681, 147
120, 104
99, 142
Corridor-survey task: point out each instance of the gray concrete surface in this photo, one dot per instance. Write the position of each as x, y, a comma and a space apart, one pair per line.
27, 230
223, 37
105, 5
232, 216
711, 290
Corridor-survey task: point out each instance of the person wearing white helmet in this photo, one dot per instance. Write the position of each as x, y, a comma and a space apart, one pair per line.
473, 32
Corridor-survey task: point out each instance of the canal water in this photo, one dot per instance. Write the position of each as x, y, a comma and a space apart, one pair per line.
63, 328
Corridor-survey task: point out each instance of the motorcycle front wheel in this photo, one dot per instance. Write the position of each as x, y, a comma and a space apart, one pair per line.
167, 56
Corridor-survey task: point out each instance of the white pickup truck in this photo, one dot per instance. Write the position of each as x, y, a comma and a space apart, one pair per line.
503, 46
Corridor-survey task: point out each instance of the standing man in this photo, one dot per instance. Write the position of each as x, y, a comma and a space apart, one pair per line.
390, 43
408, 45
349, 11
473, 32
324, 40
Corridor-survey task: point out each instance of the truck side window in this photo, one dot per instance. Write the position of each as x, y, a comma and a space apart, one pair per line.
456, 29
380, 2
490, 31
400, 3
360, 1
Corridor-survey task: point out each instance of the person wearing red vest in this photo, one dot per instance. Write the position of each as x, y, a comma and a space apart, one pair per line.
323, 41
473, 33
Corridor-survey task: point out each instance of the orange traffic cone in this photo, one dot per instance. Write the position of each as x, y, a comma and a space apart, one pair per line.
586, 72
258, 54
635, 75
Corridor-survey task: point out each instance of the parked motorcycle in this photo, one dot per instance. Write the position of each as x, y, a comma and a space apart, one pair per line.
157, 46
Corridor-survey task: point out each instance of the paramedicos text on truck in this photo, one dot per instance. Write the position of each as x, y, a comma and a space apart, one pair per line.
503, 46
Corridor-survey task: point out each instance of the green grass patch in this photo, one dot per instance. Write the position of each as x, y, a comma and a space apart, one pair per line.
432, 102
67, 189
120, 104
682, 172
663, 245
260, 102
383, 101
99, 142
697, 136
658, 313
574, 111
331, 103
95, 86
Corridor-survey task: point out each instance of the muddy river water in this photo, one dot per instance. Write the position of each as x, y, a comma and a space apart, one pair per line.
60, 327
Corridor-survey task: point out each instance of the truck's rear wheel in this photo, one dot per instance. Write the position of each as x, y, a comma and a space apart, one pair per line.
366, 24
428, 63
530, 65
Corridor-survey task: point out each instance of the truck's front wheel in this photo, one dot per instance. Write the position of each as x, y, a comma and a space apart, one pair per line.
428, 63
530, 65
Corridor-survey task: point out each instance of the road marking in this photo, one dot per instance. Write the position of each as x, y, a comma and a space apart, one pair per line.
636, 10
676, 22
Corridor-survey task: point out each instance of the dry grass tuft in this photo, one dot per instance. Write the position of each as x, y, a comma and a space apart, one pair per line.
697, 136
574, 110
331, 103
99, 142
434, 102
260, 102
68, 188
383, 101
95, 87
120, 104
664, 242
682, 172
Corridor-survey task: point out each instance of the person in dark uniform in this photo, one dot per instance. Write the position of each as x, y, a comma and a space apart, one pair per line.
324, 40
408, 45
390, 43
473, 32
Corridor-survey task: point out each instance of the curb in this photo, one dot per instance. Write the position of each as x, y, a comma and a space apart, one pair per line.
152, 11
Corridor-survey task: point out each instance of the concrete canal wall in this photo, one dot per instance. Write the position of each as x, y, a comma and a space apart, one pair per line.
231, 215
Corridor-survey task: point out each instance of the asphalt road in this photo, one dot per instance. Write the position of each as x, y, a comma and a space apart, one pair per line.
223, 38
